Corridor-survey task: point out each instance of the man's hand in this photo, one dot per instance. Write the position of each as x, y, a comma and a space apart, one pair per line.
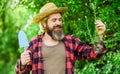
25, 58
100, 28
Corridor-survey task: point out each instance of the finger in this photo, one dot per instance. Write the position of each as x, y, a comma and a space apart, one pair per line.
100, 25
98, 22
101, 28
27, 51
24, 55
27, 60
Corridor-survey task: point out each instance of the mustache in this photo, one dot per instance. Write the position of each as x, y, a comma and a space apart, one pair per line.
59, 26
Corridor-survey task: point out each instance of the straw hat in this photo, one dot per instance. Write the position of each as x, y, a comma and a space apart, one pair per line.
48, 9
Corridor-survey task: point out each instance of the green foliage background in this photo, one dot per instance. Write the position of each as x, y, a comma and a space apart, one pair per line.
77, 21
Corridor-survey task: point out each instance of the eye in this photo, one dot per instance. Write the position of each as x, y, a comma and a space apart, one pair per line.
53, 20
60, 19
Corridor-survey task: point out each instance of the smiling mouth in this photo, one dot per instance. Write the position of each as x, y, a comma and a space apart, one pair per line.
58, 27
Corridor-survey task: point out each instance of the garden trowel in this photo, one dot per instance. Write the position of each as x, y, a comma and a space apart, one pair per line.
23, 41
22, 38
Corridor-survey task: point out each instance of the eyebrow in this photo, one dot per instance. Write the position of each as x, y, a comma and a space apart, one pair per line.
57, 18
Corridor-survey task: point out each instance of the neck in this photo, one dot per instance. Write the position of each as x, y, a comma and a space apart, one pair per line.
47, 40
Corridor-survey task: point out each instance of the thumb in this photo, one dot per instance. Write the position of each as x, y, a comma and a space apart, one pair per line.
28, 51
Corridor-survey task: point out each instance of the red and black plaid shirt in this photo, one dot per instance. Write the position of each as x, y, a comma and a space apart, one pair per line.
75, 50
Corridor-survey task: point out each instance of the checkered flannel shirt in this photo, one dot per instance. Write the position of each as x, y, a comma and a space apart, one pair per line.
75, 50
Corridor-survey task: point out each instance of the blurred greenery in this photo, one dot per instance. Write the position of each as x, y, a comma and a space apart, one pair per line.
77, 21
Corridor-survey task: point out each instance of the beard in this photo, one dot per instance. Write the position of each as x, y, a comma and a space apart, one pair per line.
55, 34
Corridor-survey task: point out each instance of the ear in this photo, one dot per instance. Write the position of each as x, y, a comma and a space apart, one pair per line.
43, 23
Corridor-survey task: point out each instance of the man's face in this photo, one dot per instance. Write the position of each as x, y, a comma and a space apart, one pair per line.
54, 26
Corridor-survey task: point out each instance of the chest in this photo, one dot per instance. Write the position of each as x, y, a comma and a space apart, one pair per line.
57, 51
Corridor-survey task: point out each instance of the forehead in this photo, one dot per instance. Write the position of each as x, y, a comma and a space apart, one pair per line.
56, 15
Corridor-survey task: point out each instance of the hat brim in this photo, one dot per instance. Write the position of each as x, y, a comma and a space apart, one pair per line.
40, 16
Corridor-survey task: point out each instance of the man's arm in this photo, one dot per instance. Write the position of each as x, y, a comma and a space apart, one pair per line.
24, 65
88, 52
19, 69
98, 46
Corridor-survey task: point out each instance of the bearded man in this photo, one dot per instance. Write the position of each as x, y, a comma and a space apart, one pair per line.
53, 52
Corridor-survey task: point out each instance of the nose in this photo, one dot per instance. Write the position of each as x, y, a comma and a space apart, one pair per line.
59, 22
